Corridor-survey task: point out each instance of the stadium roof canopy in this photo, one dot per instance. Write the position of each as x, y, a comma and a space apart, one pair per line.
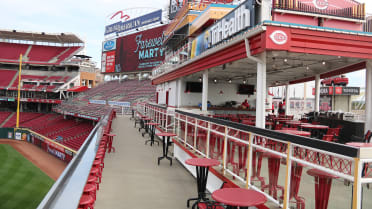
41, 36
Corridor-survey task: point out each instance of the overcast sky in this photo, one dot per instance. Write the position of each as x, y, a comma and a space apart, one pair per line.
86, 18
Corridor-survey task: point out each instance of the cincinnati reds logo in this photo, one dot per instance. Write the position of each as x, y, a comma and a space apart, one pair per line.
122, 16
321, 4
279, 37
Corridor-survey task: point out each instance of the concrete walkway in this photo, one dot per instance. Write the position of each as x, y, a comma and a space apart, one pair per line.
132, 178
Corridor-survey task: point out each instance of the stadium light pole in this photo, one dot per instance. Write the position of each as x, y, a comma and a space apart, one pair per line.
19, 89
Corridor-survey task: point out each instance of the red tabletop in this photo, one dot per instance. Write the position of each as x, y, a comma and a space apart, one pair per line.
147, 119
239, 197
86, 199
296, 122
311, 126
166, 134
153, 124
316, 172
359, 144
204, 162
295, 132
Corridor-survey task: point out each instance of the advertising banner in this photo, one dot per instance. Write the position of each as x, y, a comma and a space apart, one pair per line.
110, 62
239, 19
140, 51
131, 24
350, 90
102, 102
109, 45
338, 90
116, 103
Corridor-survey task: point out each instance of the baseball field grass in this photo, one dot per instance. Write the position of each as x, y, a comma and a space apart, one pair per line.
22, 184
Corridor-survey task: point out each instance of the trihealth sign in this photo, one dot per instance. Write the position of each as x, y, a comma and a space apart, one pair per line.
237, 20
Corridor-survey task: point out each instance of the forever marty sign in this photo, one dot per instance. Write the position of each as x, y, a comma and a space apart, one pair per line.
240, 18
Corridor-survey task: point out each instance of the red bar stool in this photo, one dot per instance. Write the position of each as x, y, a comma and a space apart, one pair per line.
110, 140
96, 172
90, 189
323, 183
98, 164
93, 179
296, 173
274, 167
86, 201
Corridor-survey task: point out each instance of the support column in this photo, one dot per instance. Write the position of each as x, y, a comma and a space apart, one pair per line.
205, 91
39, 107
179, 95
317, 92
305, 95
266, 6
261, 91
287, 99
368, 97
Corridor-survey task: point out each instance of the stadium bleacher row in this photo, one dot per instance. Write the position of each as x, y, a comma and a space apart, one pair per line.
125, 91
7, 76
35, 54
71, 133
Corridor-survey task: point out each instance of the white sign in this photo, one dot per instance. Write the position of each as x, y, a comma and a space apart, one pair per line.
123, 104
321, 4
279, 37
102, 102
237, 20
18, 135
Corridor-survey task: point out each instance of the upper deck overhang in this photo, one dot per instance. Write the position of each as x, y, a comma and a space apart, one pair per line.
303, 52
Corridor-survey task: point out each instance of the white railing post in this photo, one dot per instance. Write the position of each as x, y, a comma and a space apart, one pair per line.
208, 138
249, 161
357, 187
166, 120
287, 176
195, 132
178, 124
224, 163
186, 125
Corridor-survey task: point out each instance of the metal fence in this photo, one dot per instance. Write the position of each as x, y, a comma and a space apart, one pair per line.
275, 163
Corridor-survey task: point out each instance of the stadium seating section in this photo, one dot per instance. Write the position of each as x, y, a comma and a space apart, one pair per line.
70, 132
35, 54
5, 81
6, 77
126, 91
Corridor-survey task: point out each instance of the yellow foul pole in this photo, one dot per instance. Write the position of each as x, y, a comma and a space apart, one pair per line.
19, 89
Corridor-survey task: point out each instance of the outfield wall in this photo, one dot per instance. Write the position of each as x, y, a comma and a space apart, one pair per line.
54, 148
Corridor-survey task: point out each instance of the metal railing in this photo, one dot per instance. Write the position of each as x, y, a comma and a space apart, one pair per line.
225, 141
67, 190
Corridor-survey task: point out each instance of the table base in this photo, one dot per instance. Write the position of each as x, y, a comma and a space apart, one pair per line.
165, 151
152, 136
201, 177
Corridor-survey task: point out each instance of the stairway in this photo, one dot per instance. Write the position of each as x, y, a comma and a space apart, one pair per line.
12, 81
6, 120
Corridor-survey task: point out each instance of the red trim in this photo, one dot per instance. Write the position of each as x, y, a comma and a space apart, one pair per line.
348, 69
171, 106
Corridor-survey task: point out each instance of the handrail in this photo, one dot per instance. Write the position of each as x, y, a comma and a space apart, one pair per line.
67, 190
50, 140
300, 140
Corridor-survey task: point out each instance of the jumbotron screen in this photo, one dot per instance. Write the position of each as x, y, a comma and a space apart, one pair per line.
140, 51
